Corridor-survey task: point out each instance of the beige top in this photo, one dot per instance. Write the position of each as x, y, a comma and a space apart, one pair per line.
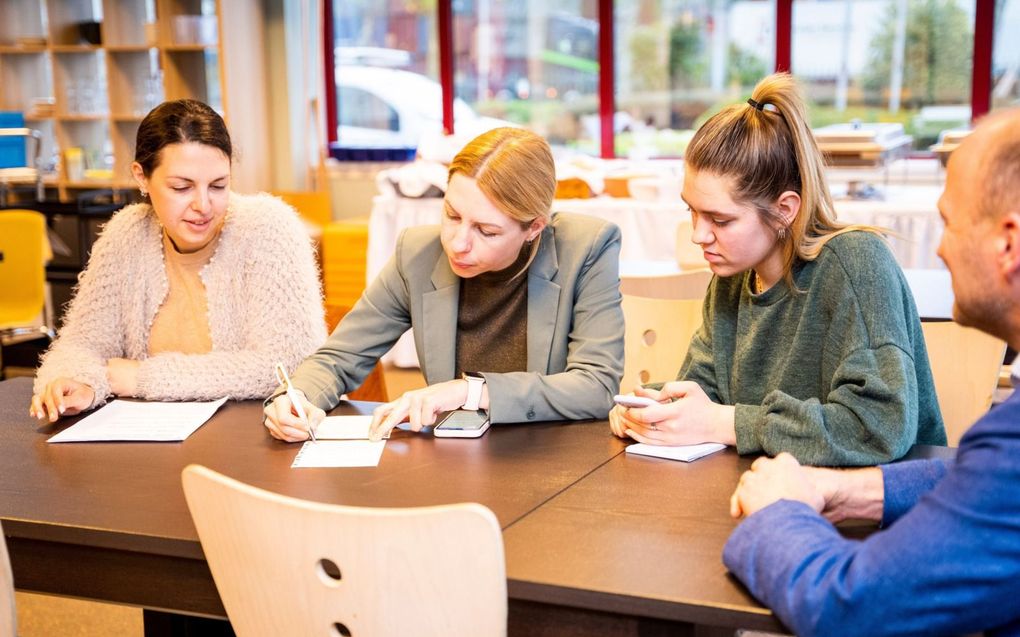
182, 322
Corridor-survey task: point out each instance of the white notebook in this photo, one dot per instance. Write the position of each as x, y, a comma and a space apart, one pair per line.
124, 420
684, 453
339, 453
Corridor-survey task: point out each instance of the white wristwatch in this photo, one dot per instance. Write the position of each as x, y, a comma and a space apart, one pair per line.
475, 383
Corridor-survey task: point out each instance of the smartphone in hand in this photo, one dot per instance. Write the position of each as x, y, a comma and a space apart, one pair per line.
634, 401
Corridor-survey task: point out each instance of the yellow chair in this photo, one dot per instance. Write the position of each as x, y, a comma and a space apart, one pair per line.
285, 566
965, 364
23, 256
314, 206
656, 338
373, 388
344, 262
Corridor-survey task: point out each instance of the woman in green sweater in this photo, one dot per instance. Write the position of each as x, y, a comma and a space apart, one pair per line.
810, 342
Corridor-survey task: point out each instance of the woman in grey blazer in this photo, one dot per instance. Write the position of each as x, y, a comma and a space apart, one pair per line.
514, 310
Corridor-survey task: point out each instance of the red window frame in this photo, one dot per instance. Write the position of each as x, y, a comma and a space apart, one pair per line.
981, 73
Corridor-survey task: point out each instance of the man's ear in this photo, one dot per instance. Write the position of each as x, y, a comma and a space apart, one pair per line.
1007, 243
788, 205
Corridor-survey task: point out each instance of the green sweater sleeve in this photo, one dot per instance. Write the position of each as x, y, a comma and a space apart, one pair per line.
868, 417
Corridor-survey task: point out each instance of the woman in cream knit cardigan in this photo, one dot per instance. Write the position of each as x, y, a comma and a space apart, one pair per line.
192, 297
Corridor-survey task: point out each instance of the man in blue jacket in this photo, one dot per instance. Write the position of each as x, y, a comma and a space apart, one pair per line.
947, 559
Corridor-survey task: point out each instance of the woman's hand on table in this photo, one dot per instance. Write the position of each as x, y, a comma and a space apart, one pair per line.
419, 407
61, 397
686, 416
283, 422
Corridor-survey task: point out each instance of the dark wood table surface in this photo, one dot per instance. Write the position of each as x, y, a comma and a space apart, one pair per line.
638, 533
589, 531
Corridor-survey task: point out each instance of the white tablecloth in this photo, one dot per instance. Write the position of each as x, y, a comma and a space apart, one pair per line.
649, 229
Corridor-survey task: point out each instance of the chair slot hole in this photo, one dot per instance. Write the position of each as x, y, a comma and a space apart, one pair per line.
649, 337
328, 572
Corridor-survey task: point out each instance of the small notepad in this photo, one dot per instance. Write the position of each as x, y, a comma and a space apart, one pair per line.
684, 453
344, 428
339, 453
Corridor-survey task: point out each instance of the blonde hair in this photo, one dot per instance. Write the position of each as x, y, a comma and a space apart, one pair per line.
766, 147
514, 168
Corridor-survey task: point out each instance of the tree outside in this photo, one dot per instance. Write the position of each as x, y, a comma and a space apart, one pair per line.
937, 56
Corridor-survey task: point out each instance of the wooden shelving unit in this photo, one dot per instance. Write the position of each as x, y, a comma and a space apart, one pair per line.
150, 50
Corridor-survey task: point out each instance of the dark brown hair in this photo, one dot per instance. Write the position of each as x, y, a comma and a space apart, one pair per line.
177, 122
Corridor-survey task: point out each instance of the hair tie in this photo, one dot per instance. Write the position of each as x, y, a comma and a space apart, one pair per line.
761, 106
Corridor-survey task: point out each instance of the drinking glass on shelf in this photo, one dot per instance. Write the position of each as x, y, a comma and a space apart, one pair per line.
72, 105
153, 91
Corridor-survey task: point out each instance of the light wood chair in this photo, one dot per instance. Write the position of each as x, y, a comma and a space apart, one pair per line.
656, 337
677, 285
965, 364
689, 256
8, 616
285, 566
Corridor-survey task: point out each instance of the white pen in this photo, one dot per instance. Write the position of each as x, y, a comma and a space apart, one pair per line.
295, 399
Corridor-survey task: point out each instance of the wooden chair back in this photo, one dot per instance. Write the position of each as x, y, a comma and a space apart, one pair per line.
965, 364
677, 285
656, 337
689, 256
8, 616
285, 566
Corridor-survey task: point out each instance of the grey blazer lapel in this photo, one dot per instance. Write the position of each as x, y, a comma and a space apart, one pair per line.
543, 303
439, 323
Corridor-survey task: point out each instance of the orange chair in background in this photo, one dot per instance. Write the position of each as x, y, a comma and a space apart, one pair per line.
314, 206
373, 388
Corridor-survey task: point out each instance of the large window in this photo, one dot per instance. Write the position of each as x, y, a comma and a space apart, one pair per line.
531, 63
678, 62
906, 61
386, 72
1006, 55
539, 64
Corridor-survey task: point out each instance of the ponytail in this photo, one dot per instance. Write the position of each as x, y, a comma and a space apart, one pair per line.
767, 148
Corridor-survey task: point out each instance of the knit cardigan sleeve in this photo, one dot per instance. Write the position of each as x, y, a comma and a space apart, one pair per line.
93, 328
265, 306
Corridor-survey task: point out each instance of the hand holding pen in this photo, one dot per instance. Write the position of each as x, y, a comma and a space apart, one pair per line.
279, 415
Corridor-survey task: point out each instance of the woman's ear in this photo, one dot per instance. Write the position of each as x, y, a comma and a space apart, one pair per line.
536, 228
139, 175
788, 206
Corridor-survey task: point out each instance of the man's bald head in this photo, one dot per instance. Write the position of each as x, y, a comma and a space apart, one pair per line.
991, 158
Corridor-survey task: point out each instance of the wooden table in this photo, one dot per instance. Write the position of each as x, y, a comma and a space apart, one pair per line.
596, 540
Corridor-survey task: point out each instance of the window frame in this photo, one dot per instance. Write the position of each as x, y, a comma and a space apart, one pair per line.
981, 71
